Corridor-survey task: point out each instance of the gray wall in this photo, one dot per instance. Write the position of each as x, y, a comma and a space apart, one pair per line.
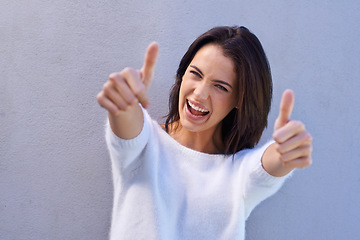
55, 180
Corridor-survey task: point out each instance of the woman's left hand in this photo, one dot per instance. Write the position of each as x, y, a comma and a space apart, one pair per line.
293, 142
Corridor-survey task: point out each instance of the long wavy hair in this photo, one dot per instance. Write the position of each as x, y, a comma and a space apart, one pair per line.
243, 126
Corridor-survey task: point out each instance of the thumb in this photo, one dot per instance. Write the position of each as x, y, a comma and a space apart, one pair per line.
286, 107
147, 71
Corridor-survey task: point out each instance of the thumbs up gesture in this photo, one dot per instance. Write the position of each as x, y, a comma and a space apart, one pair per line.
129, 86
294, 143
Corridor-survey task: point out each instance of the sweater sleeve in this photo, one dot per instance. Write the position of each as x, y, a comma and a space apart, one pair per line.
259, 184
125, 152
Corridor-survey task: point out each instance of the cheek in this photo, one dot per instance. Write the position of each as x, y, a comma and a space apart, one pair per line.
182, 94
184, 88
181, 91
226, 105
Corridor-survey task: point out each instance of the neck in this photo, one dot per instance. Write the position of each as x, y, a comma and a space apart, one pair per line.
206, 142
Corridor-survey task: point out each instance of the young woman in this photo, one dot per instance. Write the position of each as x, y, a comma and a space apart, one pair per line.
198, 176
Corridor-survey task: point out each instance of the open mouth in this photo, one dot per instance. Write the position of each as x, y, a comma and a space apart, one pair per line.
195, 110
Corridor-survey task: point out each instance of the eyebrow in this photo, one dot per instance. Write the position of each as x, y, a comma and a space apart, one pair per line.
197, 69
218, 81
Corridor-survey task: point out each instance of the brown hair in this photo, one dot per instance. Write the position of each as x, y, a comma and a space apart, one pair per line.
243, 126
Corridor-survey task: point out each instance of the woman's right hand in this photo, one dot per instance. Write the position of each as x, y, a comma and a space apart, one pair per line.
129, 86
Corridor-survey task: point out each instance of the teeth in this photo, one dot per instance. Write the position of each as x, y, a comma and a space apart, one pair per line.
197, 108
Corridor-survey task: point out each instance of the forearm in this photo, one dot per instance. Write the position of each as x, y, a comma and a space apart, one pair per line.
127, 124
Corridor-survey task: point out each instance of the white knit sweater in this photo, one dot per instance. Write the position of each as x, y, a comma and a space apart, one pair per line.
163, 190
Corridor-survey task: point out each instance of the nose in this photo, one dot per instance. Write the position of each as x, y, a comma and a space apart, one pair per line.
201, 91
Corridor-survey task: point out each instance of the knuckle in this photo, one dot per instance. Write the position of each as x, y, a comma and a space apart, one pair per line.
306, 151
131, 76
100, 98
307, 162
278, 137
107, 89
99, 95
310, 149
127, 71
298, 125
113, 75
307, 136
107, 85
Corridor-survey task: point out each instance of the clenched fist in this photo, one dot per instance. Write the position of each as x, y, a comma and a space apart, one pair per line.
129, 86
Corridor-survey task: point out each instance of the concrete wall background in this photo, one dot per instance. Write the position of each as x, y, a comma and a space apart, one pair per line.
55, 180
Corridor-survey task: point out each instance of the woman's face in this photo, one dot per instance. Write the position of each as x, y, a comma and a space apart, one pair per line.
208, 90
